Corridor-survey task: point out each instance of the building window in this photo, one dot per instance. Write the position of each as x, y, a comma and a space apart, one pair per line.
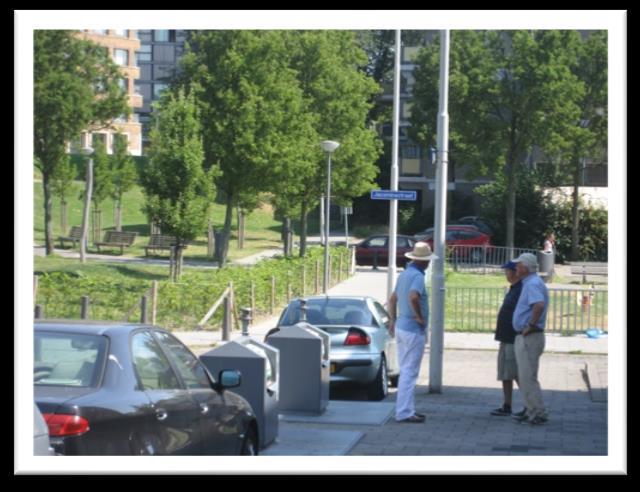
144, 53
121, 57
164, 53
157, 90
120, 32
410, 151
124, 85
410, 167
164, 35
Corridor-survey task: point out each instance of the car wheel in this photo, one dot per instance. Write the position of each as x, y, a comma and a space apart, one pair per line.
379, 389
250, 443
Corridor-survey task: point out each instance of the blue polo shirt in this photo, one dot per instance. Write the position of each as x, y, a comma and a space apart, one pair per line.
411, 279
533, 292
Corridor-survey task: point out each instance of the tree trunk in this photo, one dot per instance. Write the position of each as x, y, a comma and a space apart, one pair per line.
303, 229
63, 216
48, 224
286, 228
575, 216
511, 206
119, 216
226, 232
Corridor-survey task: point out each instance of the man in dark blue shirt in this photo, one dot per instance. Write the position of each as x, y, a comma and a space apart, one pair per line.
506, 335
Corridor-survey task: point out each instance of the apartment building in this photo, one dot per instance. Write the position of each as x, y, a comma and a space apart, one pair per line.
122, 45
157, 58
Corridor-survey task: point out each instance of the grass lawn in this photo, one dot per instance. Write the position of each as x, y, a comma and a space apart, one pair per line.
262, 231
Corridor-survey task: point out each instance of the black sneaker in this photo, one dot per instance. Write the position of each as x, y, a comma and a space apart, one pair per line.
520, 418
521, 413
503, 411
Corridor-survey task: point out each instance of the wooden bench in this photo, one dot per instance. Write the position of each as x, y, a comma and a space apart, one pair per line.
585, 270
160, 241
75, 235
115, 239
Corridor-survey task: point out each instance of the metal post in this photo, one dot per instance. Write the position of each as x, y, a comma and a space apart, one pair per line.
84, 307
325, 279
154, 301
393, 204
38, 311
322, 238
438, 290
143, 310
246, 318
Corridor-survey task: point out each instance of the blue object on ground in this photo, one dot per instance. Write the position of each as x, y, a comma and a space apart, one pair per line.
595, 333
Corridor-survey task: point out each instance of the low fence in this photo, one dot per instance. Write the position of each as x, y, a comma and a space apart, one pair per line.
482, 259
570, 311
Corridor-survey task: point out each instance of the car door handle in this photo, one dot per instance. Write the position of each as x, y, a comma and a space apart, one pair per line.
204, 408
161, 414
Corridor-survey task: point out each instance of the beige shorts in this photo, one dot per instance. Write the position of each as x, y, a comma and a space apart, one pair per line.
507, 366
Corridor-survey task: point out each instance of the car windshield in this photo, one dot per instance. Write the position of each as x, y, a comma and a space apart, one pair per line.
68, 359
330, 312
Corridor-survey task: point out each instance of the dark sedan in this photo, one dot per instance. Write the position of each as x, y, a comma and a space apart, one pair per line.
375, 250
124, 389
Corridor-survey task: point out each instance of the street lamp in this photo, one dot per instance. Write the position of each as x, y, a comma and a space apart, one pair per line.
87, 151
329, 147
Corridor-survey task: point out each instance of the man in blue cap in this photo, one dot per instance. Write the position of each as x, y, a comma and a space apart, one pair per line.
506, 335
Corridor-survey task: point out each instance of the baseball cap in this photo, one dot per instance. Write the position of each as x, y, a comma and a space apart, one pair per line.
509, 265
528, 260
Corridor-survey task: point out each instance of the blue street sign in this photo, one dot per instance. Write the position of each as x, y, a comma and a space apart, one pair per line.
394, 195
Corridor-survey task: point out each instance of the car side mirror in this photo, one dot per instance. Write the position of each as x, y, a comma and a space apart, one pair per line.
228, 379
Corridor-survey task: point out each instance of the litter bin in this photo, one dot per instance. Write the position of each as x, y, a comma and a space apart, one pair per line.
259, 365
304, 368
546, 261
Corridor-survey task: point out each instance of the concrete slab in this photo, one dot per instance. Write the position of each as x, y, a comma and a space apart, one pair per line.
347, 413
301, 441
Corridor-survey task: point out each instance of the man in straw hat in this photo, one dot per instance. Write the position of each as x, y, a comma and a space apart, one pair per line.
409, 311
529, 319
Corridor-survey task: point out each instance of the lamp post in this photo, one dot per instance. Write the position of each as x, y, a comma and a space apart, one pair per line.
88, 151
329, 147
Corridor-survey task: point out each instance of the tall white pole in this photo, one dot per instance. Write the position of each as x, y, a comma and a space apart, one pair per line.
322, 219
438, 286
87, 205
393, 204
327, 221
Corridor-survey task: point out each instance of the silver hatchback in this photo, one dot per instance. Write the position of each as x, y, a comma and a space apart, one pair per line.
362, 350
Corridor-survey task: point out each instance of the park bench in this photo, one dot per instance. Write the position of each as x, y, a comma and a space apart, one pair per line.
160, 241
75, 235
585, 270
116, 239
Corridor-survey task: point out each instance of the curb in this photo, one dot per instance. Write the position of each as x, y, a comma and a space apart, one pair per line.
598, 389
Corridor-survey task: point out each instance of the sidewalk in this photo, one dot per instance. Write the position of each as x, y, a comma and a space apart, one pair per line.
458, 420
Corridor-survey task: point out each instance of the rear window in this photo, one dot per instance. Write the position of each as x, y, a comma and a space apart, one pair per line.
332, 312
64, 359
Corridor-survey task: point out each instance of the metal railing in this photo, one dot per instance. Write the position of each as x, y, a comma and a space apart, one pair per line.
570, 311
482, 259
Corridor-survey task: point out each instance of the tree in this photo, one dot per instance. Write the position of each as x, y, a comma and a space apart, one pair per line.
586, 136
76, 86
177, 188
61, 180
338, 94
251, 108
509, 91
123, 172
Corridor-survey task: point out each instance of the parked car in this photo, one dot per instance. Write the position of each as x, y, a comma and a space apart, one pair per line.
466, 241
362, 350
479, 222
375, 250
125, 389
41, 443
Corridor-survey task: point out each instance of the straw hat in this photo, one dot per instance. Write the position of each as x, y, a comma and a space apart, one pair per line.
421, 252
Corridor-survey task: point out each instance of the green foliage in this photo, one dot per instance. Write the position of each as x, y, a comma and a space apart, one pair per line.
63, 177
75, 86
593, 233
536, 212
177, 187
182, 305
102, 177
123, 169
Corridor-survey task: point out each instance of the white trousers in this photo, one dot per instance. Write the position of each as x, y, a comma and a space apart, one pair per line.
410, 352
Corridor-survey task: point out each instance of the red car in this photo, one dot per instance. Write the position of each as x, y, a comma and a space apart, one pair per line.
375, 250
462, 238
